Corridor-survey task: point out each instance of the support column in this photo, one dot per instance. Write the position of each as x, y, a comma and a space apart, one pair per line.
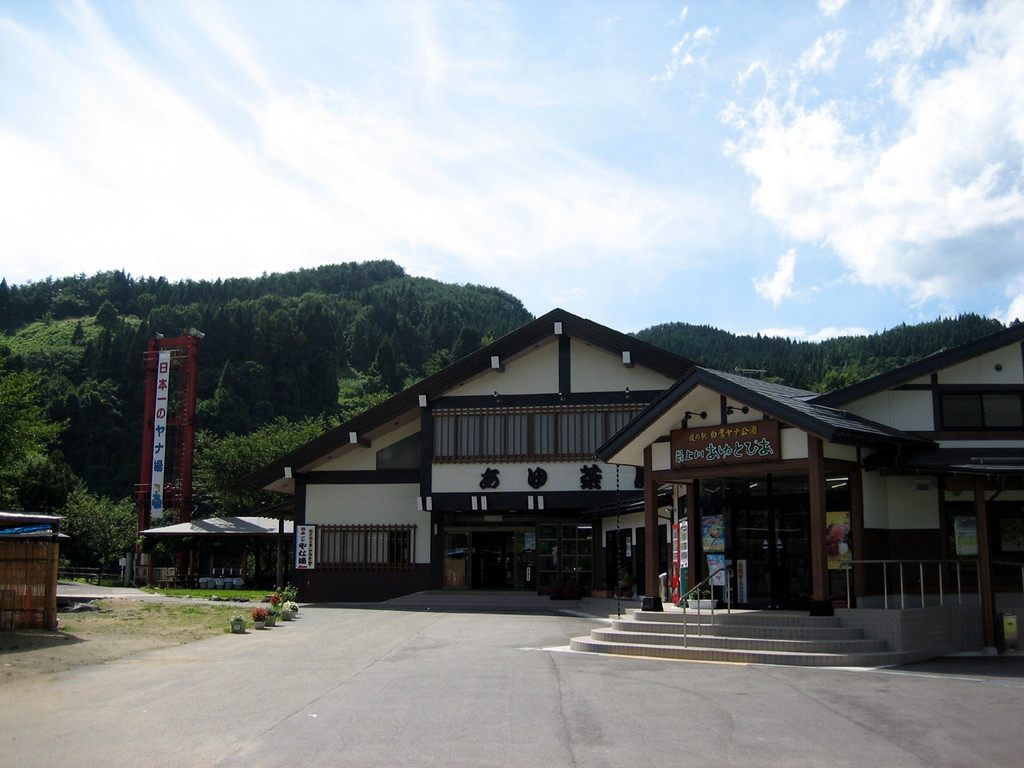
816, 491
651, 583
988, 616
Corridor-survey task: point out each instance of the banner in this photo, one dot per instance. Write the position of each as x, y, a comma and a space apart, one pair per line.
305, 547
160, 449
838, 542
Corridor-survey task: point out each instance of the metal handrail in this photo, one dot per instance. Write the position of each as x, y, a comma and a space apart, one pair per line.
697, 587
903, 565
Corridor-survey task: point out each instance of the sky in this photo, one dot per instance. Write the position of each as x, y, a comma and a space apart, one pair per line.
791, 168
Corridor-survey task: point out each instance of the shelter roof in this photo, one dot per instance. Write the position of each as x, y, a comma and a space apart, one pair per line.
798, 407
223, 526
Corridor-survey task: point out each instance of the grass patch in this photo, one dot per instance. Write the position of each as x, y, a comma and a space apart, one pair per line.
253, 595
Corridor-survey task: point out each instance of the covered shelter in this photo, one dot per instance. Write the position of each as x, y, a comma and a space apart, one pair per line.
220, 547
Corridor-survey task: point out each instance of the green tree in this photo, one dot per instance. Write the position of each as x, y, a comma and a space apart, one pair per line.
222, 462
101, 529
24, 430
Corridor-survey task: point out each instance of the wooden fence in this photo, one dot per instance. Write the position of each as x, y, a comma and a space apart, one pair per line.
28, 583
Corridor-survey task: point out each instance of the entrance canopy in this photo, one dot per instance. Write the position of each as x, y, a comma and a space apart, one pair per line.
224, 526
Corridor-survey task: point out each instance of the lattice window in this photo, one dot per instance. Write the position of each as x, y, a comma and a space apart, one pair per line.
366, 547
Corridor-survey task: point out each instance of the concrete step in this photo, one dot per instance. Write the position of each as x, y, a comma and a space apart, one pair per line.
789, 645
739, 630
743, 656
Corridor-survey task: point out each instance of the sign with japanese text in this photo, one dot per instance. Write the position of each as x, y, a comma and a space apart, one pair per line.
305, 547
726, 444
160, 449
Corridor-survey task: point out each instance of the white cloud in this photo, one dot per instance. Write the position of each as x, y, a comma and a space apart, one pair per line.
824, 54
780, 285
933, 203
692, 50
831, 7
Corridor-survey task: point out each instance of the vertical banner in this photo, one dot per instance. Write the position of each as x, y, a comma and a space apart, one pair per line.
713, 533
160, 452
965, 535
742, 583
837, 539
717, 563
305, 547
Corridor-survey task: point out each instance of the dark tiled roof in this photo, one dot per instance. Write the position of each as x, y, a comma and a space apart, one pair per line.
971, 461
789, 404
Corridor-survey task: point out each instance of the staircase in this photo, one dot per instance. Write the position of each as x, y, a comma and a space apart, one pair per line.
749, 637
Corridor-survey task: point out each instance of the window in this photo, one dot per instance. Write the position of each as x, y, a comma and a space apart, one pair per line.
982, 410
365, 547
543, 433
405, 454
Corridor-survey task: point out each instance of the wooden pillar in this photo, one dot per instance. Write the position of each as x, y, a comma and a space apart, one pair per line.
816, 491
650, 527
988, 617
857, 527
693, 532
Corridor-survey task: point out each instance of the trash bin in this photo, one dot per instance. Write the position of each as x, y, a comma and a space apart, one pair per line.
1008, 630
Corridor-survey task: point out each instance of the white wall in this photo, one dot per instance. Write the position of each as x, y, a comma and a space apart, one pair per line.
595, 370
895, 503
370, 504
535, 373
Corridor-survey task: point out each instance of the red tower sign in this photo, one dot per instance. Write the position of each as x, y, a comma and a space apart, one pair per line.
168, 430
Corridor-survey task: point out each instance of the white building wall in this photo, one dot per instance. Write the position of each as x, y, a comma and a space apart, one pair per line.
595, 370
906, 410
362, 458
983, 369
532, 374
374, 504
896, 503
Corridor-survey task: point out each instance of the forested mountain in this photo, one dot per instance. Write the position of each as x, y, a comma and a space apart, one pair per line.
315, 341
819, 366
317, 344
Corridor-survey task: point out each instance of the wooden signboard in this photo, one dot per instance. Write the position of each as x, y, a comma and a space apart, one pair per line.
743, 443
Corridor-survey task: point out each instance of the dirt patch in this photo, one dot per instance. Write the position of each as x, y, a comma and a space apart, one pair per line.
118, 629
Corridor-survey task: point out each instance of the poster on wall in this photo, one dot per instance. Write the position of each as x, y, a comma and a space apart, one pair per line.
965, 535
713, 533
305, 547
717, 563
1011, 534
837, 539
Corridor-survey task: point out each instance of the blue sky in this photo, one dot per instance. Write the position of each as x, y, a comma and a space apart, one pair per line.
805, 169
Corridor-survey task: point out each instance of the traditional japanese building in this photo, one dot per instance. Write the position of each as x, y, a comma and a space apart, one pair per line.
483, 475
905, 491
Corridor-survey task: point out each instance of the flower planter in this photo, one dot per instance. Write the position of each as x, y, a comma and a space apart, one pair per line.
272, 620
238, 627
701, 605
287, 615
259, 624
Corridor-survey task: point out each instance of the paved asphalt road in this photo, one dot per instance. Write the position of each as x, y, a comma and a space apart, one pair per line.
348, 687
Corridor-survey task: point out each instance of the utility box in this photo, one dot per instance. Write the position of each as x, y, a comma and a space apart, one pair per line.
1008, 631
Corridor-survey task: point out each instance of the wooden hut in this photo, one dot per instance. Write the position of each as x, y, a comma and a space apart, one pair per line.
29, 553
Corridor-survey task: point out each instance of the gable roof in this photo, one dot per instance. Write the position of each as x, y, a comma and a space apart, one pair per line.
934, 362
789, 404
524, 337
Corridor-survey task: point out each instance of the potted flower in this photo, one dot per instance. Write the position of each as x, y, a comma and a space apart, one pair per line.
273, 614
259, 617
238, 625
701, 599
289, 594
288, 610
